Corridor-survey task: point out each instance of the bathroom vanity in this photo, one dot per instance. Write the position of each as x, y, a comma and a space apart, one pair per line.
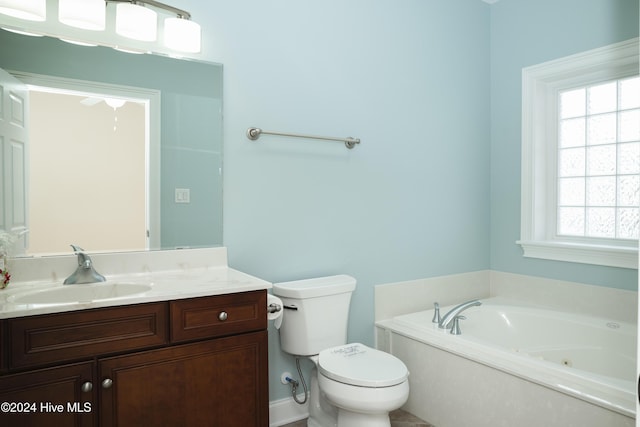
196, 358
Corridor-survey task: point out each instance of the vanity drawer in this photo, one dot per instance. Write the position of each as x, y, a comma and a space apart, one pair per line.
54, 338
215, 316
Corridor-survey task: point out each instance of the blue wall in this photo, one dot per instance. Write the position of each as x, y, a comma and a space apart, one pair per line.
433, 90
411, 79
525, 33
412, 199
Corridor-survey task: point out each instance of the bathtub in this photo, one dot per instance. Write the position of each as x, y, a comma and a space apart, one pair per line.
515, 364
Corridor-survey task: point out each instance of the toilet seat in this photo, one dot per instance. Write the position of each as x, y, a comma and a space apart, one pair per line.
357, 364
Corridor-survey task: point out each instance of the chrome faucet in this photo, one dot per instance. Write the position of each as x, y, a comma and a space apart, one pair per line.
85, 272
454, 314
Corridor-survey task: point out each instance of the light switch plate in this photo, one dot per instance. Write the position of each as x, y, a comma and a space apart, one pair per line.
183, 195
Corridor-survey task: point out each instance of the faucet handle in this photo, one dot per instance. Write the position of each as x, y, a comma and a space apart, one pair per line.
455, 328
85, 273
77, 248
84, 260
436, 313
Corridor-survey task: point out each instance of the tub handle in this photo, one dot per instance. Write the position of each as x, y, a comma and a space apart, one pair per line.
436, 313
455, 328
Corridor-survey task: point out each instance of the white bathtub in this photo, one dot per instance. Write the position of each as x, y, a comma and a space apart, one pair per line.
591, 360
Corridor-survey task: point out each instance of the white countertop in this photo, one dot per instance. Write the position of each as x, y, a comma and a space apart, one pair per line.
167, 285
197, 279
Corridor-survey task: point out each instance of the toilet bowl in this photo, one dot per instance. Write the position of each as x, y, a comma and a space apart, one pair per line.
352, 385
363, 383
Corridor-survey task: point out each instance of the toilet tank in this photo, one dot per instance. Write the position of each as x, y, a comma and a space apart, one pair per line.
316, 313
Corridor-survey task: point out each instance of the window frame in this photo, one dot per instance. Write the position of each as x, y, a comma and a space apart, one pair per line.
540, 87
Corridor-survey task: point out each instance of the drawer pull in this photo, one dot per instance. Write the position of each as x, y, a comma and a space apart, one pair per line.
107, 383
223, 316
87, 387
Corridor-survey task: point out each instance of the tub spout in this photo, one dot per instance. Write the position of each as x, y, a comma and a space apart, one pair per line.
455, 311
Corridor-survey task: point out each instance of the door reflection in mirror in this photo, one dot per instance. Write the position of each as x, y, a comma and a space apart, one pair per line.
85, 156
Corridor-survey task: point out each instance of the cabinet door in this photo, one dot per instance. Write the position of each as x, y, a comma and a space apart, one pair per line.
61, 396
220, 382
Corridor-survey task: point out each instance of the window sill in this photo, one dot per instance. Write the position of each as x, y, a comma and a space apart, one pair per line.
582, 253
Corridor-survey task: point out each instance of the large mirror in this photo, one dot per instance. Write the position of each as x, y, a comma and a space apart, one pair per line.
173, 177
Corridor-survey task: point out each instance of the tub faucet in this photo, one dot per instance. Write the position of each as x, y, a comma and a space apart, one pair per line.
85, 272
455, 312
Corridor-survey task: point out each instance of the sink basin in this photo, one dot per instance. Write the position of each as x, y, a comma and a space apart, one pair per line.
69, 294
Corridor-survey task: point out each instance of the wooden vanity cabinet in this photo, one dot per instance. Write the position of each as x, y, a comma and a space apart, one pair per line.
41, 397
195, 362
215, 382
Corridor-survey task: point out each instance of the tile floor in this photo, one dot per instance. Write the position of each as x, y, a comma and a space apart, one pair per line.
398, 418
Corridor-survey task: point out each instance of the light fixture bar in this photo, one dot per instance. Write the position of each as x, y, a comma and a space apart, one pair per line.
179, 12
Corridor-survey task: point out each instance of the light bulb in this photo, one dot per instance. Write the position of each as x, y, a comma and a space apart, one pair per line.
85, 14
136, 22
32, 10
182, 35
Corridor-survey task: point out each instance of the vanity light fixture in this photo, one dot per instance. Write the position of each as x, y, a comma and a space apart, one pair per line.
24, 33
180, 33
78, 42
32, 10
135, 21
85, 14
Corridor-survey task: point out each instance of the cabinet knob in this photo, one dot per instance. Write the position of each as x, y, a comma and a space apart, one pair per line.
87, 386
223, 316
107, 383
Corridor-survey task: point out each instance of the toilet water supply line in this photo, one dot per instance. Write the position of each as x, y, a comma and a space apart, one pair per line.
295, 384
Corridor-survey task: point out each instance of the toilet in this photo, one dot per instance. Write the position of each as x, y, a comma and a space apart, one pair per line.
352, 385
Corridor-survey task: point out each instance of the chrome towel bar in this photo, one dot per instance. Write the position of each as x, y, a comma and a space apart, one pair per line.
254, 133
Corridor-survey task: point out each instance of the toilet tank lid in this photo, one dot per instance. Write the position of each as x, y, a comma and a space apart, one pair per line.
316, 287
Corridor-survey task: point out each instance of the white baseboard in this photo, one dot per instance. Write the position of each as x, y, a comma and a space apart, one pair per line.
285, 411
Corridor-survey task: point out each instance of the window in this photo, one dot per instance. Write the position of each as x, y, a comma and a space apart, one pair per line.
581, 158
599, 160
